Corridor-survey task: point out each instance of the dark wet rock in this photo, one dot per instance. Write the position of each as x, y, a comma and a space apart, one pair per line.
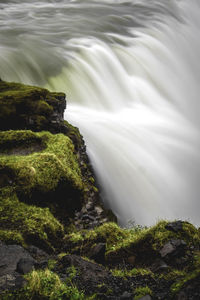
37, 253
175, 226
127, 296
9, 258
190, 290
159, 266
98, 253
90, 273
10, 255
173, 248
25, 265
131, 259
182, 296
11, 282
41, 265
147, 297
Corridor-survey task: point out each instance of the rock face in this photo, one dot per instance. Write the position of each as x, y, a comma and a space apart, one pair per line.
45, 176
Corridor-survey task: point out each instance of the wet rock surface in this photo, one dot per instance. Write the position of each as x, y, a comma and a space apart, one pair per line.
11, 265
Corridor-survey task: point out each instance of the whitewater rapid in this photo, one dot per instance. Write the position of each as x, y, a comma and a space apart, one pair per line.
131, 73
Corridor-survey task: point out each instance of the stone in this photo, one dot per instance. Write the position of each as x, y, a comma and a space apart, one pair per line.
10, 256
159, 265
98, 253
131, 260
25, 265
98, 210
175, 226
37, 253
127, 296
173, 248
90, 274
11, 282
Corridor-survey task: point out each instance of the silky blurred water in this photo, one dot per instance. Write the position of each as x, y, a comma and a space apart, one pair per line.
131, 73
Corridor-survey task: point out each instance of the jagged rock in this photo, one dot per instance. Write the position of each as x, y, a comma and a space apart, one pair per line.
37, 253
173, 248
159, 266
98, 253
90, 274
175, 226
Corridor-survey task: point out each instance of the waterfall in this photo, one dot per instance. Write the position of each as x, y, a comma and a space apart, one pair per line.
131, 74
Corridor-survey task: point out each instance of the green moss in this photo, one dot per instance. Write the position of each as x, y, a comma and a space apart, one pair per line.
22, 175
73, 133
177, 286
28, 224
109, 233
173, 274
46, 285
24, 106
14, 139
197, 259
71, 274
43, 169
131, 273
51, 263
11, 237
62, 254
141, 292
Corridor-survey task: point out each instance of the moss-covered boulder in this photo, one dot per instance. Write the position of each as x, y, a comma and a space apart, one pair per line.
38, 161
30, 107
40, 169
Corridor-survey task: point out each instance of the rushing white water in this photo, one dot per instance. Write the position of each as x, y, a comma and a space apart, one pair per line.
131, 72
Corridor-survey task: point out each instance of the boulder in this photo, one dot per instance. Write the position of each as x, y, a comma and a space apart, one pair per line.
175, 226
98, 253
11, 257
173, 248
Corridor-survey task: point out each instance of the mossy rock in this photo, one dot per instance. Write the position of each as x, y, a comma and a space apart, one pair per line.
147, 243
29, 107
81, 242
38, 169
41, 169
122, 245
27, 224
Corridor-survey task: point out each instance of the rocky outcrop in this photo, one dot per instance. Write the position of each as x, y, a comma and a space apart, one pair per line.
57, 241
43, 169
